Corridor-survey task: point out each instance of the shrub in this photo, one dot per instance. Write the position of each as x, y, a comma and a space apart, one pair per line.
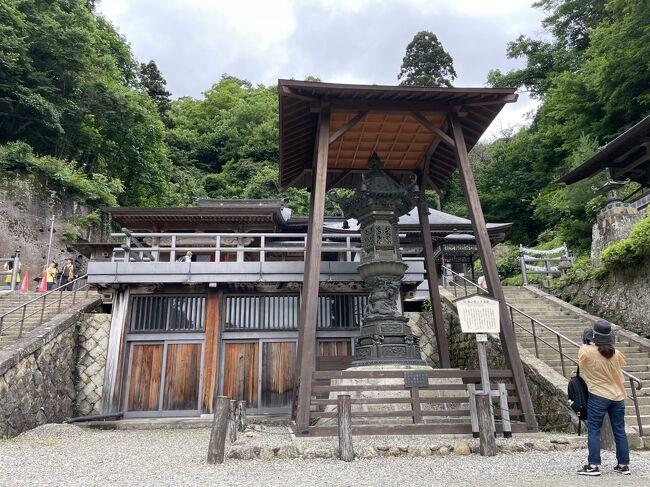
94, 190
630, 251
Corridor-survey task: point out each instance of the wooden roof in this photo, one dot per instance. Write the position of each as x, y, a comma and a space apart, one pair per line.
208, 215
397, 122
627, 156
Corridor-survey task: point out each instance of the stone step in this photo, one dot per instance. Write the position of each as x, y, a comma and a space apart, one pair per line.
547, 353
630, 361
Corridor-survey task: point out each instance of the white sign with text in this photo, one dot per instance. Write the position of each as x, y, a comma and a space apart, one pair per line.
478, 314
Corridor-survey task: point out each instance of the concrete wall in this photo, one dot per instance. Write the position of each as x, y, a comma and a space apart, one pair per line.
37, 374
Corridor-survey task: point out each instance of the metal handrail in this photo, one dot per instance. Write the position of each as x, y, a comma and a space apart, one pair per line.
76, 287
559, 336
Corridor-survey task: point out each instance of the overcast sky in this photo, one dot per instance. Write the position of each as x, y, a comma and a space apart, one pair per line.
194, 42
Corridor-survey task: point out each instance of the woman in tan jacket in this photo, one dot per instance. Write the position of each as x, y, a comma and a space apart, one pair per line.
601, 367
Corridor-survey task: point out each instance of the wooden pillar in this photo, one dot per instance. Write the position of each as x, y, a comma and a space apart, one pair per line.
432, 279
309, 297
508, 339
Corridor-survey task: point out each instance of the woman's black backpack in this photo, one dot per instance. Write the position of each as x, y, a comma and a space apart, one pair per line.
578, 397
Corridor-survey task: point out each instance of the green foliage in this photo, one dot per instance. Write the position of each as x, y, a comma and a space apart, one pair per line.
69, 88
153, 82
95, 190
426, 63
586, 73
631, 251
507, 259
581, 271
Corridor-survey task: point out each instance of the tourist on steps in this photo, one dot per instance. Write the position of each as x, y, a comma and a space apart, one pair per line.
50, 275
68, 275
600, 365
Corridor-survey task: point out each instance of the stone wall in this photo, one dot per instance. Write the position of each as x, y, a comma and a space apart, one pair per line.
37, 374
24, 223
612, 224
92, 345
622, 297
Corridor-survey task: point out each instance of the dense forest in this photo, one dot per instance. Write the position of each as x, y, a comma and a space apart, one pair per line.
79, 112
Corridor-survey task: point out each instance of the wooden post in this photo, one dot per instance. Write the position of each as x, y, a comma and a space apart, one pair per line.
432, 279
345, 428
416, 407
232, 422
508, 338
217, 446
487, 443
505, 411
473, 413
309, 298
241, 413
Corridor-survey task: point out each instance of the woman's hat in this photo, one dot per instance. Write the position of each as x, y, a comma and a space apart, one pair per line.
603, 333
588, 336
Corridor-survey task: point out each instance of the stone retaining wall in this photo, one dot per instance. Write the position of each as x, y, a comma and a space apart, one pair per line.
92, 345
37, 374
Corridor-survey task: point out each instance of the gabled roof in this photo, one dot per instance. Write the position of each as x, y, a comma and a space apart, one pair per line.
208, 213
389, 120
628, 156
441, 223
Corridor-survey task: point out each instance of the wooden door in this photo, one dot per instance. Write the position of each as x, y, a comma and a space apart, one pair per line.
334, 354
145, 377
241, 372
182, 377
278, 363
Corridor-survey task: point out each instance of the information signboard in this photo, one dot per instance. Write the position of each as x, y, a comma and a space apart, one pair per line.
478, 314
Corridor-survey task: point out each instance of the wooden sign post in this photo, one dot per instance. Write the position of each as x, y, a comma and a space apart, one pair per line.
480, 315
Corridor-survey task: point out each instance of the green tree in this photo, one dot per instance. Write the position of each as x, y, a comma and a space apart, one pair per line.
153, 82
426, 63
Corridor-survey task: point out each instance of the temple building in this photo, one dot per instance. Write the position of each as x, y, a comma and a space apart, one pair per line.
225, 318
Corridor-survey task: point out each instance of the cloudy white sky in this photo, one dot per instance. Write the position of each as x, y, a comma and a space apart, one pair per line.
194, 42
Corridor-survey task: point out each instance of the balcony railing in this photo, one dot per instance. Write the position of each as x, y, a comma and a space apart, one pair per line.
231, 247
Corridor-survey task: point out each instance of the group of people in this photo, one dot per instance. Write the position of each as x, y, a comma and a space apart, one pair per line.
64, 276
52, 274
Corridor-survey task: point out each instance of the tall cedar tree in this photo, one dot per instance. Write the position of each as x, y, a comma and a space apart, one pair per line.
426, 62
152, 80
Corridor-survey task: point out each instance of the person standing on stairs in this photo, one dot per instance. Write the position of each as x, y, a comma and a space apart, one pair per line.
601, 367
50, 275
68, 275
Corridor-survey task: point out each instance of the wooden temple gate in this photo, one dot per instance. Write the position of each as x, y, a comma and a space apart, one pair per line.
327, 133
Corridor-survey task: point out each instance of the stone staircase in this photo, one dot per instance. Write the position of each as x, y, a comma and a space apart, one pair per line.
9, 301
572, 325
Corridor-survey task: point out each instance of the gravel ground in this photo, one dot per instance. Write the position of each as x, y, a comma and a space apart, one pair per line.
67, 455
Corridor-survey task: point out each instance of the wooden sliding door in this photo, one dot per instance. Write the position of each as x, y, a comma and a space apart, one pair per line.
241, 372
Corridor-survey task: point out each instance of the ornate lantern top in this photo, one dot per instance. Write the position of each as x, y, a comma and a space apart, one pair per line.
379, 191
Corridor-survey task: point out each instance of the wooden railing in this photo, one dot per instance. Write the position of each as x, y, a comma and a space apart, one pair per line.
171, 247
17, 316
559, 343
440, 407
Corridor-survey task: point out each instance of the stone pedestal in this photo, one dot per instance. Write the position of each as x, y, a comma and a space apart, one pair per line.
612, 224
368, 393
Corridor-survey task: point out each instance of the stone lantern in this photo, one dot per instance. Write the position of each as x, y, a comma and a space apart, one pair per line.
377, 204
